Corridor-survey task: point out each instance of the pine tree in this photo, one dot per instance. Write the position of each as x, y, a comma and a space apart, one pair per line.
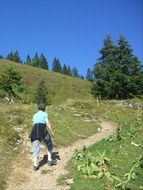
117, 71
65, 70
56, 66
69, 71
127, 62
43, 62
14, 57
104, 69
10, 56
89, 75
75, 72
130, 69
36, 60
11, 82
28, 60
41, 93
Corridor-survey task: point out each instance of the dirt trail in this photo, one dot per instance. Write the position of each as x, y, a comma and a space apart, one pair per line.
23, 178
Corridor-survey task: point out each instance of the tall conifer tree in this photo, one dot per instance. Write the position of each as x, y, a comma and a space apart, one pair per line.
36, 60
117, 71
28, 60
56, 66
43, 62
89, 75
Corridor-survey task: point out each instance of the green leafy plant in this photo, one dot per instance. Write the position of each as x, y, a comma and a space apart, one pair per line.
93, 166
97, 167
116, 137
131, 175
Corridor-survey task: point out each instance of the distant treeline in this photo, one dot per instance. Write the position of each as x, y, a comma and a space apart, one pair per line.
41, 62
117, 73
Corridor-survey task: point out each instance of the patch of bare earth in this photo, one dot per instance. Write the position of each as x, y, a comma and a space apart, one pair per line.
24, 178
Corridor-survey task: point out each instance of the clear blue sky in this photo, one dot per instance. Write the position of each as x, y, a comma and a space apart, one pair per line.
71, 30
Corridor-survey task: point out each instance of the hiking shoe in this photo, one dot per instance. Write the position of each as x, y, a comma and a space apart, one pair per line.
35, 168
52, 162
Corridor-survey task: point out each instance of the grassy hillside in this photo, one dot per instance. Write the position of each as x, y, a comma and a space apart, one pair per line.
124, 152
74, 114
60, 87
16, 119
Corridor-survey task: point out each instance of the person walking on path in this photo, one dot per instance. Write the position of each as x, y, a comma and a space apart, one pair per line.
41, 132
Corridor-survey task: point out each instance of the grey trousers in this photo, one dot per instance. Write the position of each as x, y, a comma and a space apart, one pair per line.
36, 145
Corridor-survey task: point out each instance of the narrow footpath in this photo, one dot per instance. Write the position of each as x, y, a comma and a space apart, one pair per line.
24, 178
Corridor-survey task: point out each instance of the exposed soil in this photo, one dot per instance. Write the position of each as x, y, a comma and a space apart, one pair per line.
24, 178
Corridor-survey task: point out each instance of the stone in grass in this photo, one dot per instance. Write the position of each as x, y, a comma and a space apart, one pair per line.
69, 181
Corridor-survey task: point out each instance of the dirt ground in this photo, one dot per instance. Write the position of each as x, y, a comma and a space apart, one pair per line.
24, 178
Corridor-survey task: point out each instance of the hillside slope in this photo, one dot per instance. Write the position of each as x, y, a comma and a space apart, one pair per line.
60, 87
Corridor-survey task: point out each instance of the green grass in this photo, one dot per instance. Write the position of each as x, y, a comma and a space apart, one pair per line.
60, 87
68, 127
121, 153
11, 117
69, 120
74, 114
16, 122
